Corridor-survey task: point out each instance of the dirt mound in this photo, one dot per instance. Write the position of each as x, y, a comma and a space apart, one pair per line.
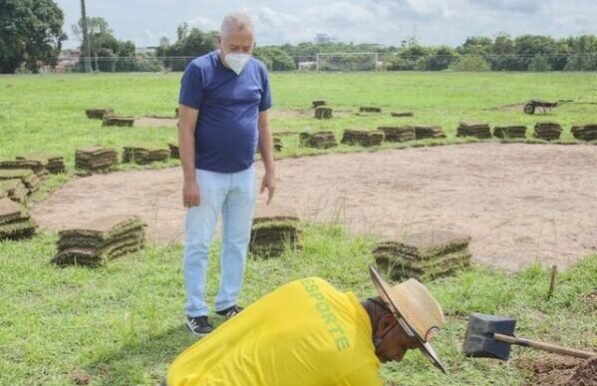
561, 371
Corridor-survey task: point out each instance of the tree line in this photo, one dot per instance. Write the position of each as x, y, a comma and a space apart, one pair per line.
32, 36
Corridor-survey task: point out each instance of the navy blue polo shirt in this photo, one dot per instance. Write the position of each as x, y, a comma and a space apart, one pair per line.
227, 131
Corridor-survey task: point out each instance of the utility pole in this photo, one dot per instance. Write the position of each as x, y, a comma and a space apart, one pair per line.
86, 46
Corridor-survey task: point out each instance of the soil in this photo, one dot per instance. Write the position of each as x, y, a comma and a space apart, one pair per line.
563, 371
520, 203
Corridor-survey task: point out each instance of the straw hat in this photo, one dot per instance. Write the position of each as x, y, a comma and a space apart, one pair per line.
419, 314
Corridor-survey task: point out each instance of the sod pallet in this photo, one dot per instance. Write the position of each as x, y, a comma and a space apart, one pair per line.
364, 138
26, 176
39, 167
14, 190
98, 113
424, 255
273, 232
585, 132
95, 158
323, 112
277, 143
473, 129
510, 131
15, 222
549, 131
111, 120
174, 151
369, 109
318, 140
54, 162
100, 241
433, 132
318, 103
144, 155
398, 133
401, 114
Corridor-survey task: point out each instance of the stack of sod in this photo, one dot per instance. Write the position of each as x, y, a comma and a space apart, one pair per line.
274, 231
98, 113
15, 222
549, 131
322, 112
14, 189
369, 109
402, 114
510, 131
424, 256
424, 132
174, 151
362, 137
54, 162
585, 132
473, 129
321, 140
277, 142
95, 158
318, 103
100, 240
142, 155
39, 167
398, 133
26, 176
112, 120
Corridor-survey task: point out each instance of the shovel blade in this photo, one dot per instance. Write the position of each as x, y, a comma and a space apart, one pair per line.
479, 341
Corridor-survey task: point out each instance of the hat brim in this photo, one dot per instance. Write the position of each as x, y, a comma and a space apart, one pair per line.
383, 289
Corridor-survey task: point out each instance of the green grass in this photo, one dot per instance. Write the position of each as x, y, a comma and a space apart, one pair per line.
122, 324
47, 112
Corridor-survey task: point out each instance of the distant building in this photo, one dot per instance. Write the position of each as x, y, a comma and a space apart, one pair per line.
322, 38
164, 41
145, 50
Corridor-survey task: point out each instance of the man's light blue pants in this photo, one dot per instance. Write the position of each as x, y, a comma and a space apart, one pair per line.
233, 195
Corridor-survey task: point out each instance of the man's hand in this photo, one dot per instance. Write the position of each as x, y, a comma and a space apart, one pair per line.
269, 183
190, 195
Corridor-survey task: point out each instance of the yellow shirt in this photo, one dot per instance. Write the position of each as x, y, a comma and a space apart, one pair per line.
305, 333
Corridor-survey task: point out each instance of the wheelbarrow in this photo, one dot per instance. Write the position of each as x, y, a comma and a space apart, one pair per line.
540, 105
489, 336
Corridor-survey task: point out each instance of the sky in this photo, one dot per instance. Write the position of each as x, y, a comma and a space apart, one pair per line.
387, 22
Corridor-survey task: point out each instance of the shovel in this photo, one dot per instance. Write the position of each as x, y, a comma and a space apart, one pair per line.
489, 336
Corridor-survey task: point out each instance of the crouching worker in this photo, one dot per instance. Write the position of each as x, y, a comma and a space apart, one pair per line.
307, 333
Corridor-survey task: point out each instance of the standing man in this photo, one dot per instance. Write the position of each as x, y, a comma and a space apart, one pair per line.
224, 98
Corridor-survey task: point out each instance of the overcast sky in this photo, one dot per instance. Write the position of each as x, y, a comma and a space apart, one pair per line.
387, 22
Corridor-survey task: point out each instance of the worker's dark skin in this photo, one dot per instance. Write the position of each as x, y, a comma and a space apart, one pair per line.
394, 340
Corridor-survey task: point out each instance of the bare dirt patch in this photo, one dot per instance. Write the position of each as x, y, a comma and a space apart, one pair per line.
519, 203
563, 371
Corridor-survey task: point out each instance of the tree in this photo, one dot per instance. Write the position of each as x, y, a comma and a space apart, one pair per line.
471, 63
275, 58
190, 44
440, 58
539, 64
109, 54
31, 34
503, 53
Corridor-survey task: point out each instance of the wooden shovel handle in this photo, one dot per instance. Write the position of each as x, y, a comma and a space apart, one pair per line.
544, 346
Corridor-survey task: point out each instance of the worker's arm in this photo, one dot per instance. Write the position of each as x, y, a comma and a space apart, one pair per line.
267, 156
187, 121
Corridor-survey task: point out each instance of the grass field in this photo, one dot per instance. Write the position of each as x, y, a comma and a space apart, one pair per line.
122, 324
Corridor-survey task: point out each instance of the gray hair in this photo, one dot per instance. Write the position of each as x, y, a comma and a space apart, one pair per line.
239, 20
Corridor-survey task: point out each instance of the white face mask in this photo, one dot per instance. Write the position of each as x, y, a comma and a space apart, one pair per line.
237, 62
